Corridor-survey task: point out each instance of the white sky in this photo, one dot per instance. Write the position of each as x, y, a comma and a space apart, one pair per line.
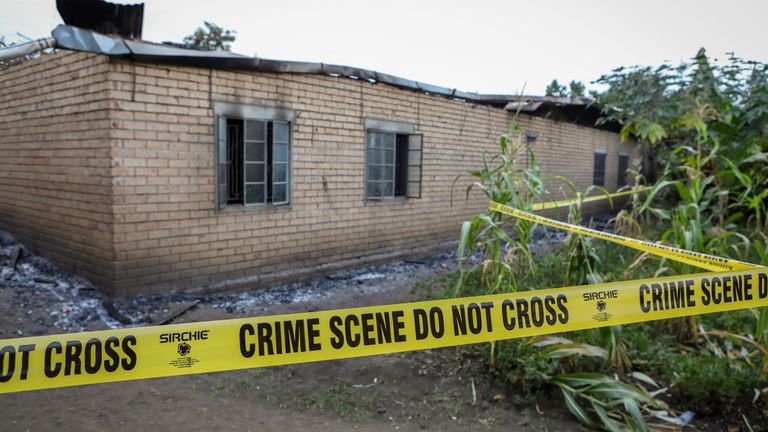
484, 46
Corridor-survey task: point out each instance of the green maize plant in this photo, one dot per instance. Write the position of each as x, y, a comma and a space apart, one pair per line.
502, 179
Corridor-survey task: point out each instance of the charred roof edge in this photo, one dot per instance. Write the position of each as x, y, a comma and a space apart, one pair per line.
78, 39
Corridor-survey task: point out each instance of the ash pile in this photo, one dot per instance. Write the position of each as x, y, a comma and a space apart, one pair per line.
38, 297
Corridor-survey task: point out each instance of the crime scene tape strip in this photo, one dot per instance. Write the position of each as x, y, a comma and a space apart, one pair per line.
567, 202
63, 360
150, 352
697, 259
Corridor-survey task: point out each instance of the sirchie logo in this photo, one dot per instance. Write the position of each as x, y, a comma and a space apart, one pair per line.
184, 349
186, 360
600, 306
601, 314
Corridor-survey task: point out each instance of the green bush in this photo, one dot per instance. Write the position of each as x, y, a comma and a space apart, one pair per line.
518, 363
708, 384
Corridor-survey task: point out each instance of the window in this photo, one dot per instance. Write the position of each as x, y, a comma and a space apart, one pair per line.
530, 139
598, 175
623, 167
392, 161
254, 147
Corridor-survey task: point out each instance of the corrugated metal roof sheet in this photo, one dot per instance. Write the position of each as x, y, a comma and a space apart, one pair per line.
103, 17
576, 110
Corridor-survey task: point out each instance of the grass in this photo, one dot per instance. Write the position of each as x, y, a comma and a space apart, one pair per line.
696, 377
342, 400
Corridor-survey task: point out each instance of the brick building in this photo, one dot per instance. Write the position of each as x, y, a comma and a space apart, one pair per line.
148, 168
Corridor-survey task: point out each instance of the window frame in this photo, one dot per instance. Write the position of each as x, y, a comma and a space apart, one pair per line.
530, 139
367, 176
244, 112
621, 181
394, 128
604, 155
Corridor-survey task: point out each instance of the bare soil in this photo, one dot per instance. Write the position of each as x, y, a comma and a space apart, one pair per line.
442, 389
445, 389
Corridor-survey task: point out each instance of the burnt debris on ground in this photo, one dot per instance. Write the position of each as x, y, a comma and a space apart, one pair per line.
363, 281
42, 298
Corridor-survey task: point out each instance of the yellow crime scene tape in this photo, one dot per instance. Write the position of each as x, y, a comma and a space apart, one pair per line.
584, 200
696, 259
150, 352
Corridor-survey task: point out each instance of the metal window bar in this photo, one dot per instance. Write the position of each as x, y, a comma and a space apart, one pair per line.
413, 186
280, 162
255, 162
223, 187
380, 165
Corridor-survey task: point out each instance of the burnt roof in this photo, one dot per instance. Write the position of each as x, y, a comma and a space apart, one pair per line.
103, 17
581, 111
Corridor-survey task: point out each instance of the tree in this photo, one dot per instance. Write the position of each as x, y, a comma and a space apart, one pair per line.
556, 89
574, 89
654, 103
211, 38
670, 107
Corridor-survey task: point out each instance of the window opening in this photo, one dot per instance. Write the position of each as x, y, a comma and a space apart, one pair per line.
235, 160
253, 161
401, 164
393, 165
623, 167
598, 177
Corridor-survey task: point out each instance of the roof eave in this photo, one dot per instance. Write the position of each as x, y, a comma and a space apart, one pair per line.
78, 39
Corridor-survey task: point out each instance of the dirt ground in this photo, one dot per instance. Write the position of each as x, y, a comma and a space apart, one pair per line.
442, 389
445, 389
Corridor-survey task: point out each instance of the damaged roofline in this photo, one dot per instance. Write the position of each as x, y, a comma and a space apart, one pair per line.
78, 39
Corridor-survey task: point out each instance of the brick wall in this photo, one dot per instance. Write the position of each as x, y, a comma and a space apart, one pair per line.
108, 166
170, 235
567, 150
55, 182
